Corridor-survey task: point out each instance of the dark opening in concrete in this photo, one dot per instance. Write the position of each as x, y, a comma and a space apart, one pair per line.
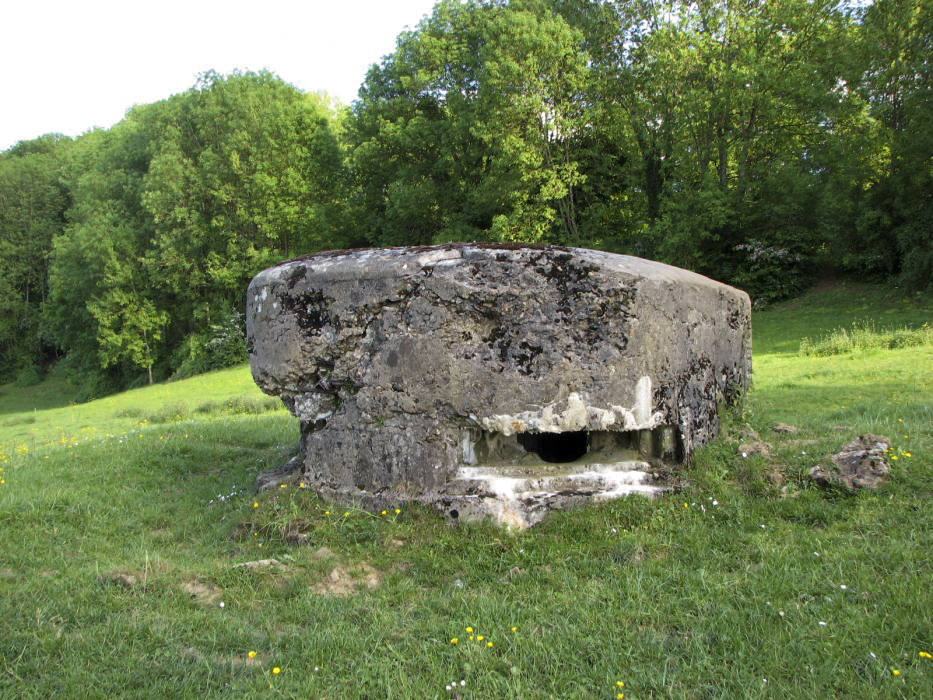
489, 449
556, 447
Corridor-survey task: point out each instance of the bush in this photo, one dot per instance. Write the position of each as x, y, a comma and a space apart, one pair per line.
241, 405
223, 346
27, 376
769, 273
170, 413
864, 336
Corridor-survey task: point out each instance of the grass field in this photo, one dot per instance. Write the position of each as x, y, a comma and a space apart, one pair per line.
123, 521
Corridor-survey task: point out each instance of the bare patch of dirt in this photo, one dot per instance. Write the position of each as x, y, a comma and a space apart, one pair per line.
755, 447
322, 553
124, 579
203, 592
295, 537
775, 477
236, 661
347, 580
513, 573
750, 443
262, 564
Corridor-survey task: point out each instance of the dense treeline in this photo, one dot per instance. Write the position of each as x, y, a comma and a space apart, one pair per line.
750, 140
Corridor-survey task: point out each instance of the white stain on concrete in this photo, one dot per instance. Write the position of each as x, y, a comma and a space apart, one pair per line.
519, 501
575, 414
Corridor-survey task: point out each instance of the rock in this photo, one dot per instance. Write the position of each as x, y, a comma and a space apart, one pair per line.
861, 464
494, 380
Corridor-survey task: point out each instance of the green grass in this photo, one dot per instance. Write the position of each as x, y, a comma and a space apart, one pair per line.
121, 536
864, 336
782, 327
34, 418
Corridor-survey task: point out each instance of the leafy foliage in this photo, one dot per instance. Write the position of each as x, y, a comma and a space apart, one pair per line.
33, 200
175, 209
224, 345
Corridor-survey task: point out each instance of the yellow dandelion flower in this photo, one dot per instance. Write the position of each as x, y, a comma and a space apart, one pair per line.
471, 637
276, 671
894, 457
480, 638
620, 684
327, 512
385, 512
895, 672
346, 514
252, 654
283, 486
926, 655
489, 645
686, 505
301, 485
398, 510
514, 630
619, 696
455, 641
469, 630
255, 504
908, 454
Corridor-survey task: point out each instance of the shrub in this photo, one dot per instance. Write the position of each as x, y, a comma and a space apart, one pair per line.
241, 405
223, 346
769, 273
170, 413
864, 336
27, 376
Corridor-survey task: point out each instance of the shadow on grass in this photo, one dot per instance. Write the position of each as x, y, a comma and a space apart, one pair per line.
52, 393
780, 328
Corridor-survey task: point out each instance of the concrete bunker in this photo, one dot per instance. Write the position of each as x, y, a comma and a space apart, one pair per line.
492, 380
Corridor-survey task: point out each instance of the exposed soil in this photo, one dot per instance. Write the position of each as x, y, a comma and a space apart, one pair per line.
203, 592
344, 581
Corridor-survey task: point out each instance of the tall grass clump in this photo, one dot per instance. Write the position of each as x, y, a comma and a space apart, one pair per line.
865, 336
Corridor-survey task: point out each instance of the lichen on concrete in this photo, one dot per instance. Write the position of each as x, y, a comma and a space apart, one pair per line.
403, 365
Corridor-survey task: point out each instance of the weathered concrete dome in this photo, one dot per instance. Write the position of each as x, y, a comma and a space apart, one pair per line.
495, 380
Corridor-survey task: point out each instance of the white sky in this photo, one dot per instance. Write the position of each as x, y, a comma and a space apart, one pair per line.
69, 65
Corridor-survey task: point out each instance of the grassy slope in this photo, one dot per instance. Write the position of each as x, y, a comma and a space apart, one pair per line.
695, 600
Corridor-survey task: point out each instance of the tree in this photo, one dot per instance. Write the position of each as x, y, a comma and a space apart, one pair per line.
33, 200
176, 208
465, 131
106, 226
887, 181
246, 171
711, 104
